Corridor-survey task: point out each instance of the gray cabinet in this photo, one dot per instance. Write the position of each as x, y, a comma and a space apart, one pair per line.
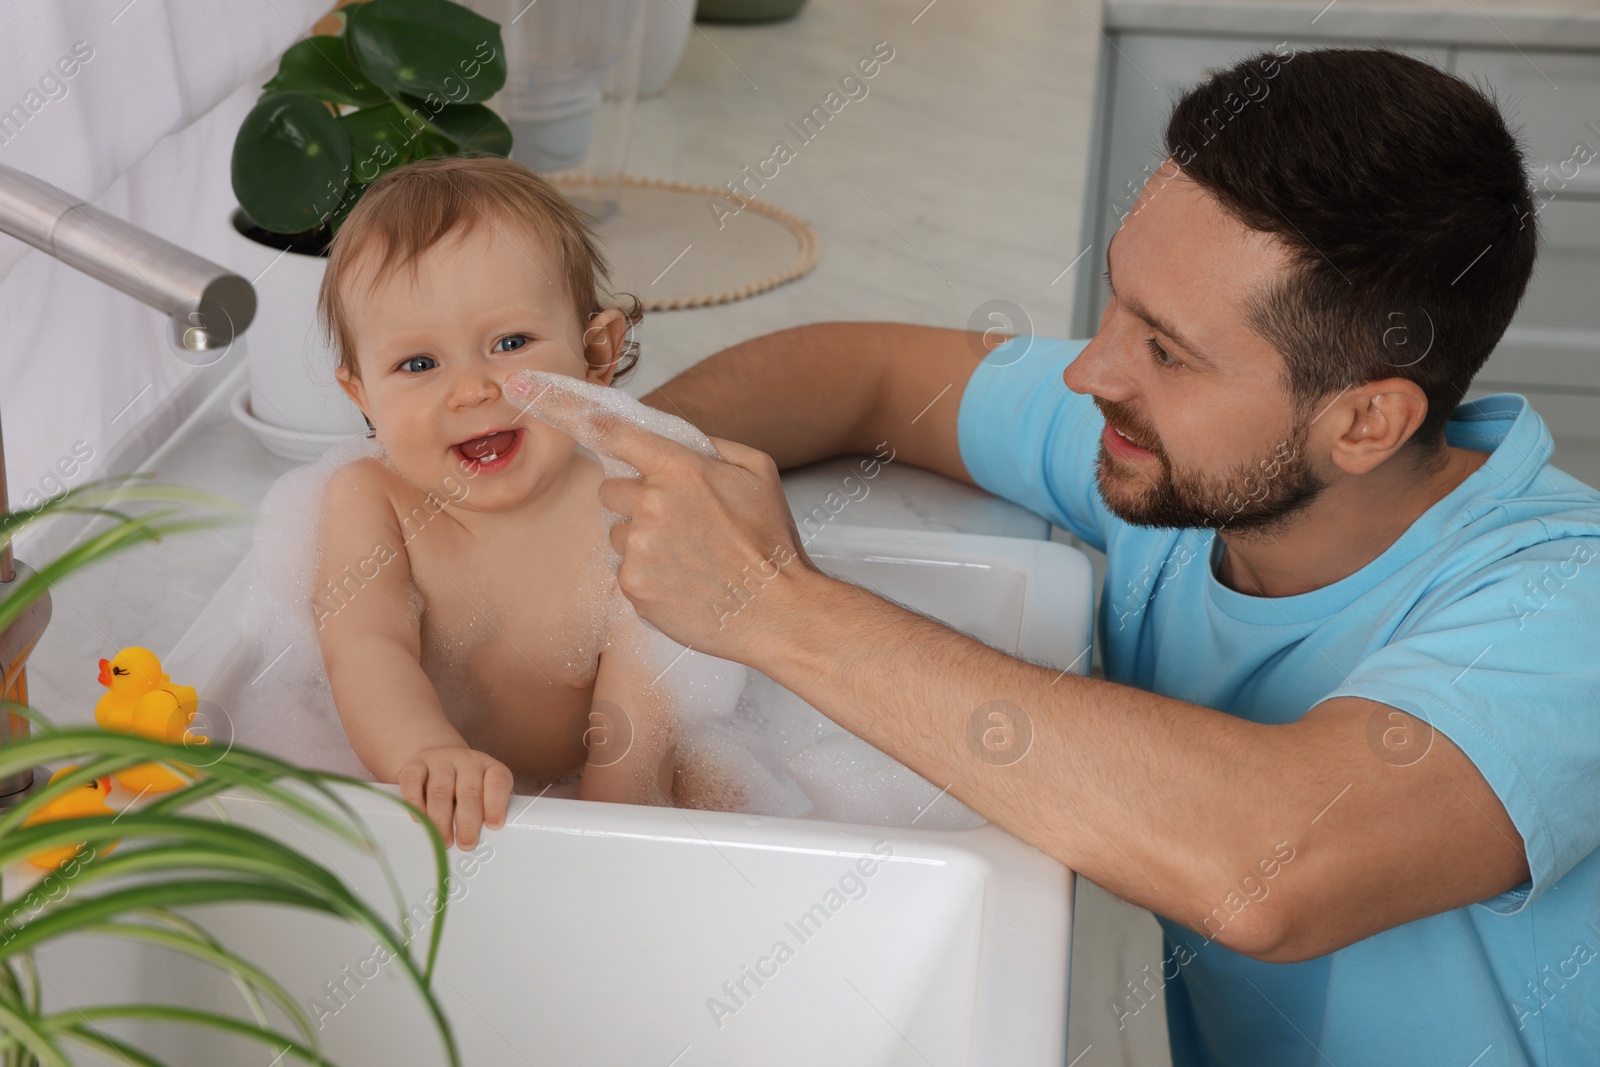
1551, 353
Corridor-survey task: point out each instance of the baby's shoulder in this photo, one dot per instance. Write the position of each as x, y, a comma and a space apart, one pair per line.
364, 492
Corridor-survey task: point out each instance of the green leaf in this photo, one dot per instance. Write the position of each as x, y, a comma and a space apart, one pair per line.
431, 144
73, 914
80, 1022
322, 66
189, 856
95, 498
51, 791
10, 987
262, 858
176, 860
379, 141
422, 47
242, 766
291, 162
120, 1050
171, 920
201, 946
25, 1029
468, 127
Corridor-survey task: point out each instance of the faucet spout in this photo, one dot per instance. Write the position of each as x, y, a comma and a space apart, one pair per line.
208, 304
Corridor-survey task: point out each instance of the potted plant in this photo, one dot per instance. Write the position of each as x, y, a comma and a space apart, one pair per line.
135, 875
402, 80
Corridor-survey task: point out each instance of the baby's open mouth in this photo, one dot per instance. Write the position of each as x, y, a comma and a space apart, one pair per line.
488, 451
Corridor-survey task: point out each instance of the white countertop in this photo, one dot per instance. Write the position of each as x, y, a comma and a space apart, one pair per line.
1497, 23
969, 156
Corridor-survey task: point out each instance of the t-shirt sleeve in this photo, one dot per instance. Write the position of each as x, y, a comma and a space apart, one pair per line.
1506, 665
1026, 437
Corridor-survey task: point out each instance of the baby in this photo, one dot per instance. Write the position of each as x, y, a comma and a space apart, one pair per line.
486, 644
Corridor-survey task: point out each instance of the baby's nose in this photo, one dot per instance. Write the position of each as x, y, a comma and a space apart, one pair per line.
476, 389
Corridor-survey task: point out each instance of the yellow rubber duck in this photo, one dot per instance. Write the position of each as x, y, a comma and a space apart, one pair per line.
142, 700
88, 799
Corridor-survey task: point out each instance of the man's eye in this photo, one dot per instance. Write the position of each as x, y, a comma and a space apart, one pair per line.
418, 364
511, 343
1160, 355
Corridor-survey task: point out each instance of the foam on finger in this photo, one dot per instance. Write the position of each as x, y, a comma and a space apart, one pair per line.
567, 403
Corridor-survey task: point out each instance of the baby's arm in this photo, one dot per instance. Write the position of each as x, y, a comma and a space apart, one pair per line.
372, 646
631, 736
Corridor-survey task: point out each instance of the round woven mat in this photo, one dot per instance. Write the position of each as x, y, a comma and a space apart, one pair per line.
668, 245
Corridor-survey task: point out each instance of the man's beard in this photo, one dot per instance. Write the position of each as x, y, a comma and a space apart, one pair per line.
1261, 495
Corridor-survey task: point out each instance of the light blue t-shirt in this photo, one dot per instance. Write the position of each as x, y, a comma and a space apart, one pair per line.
1483, 619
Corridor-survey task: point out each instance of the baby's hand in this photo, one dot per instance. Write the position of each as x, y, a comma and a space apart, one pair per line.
460, 786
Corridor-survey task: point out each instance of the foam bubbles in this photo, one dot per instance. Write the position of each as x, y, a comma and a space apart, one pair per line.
288, 708
776, 755
566, 402
849, 780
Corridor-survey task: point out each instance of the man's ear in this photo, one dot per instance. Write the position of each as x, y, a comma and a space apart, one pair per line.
603, 338
1373, 421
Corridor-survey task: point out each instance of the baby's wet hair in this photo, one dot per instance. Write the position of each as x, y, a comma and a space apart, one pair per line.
414, 207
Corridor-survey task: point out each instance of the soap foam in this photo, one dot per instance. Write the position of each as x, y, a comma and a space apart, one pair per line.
287, 709
566, 402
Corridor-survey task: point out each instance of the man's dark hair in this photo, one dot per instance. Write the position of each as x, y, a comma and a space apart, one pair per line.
1403, 198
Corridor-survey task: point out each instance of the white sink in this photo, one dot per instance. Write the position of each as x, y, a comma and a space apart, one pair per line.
588, 933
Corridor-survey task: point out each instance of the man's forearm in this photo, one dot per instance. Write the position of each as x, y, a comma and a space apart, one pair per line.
800, 395
1179, 808
1165, 803
1055, 757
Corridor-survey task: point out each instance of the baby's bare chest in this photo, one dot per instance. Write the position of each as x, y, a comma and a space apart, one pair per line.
515, 615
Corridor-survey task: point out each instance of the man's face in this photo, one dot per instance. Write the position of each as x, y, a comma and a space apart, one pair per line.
1210, 435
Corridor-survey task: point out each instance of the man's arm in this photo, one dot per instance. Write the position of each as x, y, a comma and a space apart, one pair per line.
835, 388
1182, 809
1179, 808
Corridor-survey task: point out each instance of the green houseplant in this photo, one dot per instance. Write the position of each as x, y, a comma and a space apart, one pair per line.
402, 80
168, 855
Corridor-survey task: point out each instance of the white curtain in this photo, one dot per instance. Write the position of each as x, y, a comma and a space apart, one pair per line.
133, 107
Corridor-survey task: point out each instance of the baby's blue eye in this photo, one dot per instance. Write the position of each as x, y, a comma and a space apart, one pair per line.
418, 364
515, 341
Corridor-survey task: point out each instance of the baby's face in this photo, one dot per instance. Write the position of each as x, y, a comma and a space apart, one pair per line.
434, 353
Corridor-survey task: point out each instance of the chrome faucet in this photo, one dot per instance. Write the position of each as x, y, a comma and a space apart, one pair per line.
208, 306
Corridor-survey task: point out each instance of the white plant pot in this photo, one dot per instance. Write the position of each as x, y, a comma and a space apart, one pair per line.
667, 25
296, 407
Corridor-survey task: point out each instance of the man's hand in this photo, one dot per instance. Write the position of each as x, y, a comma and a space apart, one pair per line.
459, 788
710, 550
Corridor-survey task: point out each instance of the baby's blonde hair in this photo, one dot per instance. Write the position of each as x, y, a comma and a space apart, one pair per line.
414, 207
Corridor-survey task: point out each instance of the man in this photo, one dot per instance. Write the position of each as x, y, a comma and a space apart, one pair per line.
1348, 741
